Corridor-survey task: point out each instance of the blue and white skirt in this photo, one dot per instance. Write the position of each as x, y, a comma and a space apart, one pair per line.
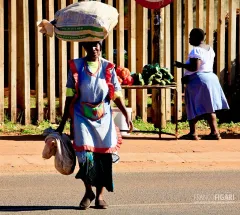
204, 94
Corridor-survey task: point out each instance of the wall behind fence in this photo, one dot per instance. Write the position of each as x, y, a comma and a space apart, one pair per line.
34, 68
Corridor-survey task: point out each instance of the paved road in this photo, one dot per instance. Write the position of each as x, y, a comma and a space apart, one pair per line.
186, 193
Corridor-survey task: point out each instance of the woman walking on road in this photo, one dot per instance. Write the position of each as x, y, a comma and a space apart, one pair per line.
203, 92
92, 83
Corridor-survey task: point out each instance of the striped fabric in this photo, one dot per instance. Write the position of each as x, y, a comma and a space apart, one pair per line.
85, 21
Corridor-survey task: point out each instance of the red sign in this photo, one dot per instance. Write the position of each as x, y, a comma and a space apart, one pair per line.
154, 4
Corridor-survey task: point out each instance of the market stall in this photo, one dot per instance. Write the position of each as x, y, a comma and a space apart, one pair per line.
160, 106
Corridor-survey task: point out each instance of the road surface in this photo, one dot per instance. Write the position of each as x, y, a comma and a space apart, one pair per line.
162, 193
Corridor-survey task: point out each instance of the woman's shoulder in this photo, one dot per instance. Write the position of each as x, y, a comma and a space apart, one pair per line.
197, 49
106, 62
77, 60
196, 52
204, 47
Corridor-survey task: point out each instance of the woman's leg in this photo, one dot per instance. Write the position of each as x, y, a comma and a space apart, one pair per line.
192, 134
99, 193
192, 125
88, 197
212, 121
100, 203
88, 188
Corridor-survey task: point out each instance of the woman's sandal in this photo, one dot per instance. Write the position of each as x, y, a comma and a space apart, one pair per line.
212, 137
189, 137
86, 201
101, 204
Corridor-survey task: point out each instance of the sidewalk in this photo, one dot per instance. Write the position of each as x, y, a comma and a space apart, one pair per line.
20, 155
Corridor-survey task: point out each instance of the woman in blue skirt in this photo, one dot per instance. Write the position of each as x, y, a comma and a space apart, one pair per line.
203, 92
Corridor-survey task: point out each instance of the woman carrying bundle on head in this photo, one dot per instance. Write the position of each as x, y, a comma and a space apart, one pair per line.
92, 83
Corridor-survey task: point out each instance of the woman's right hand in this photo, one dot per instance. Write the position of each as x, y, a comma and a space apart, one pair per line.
178, 64
65, 114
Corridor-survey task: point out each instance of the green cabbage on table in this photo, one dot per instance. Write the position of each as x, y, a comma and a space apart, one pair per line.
153, 74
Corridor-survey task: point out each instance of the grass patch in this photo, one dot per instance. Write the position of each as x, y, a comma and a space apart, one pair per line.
33, 102
170, 127
9, 128
183, 126
230, 125
139, 124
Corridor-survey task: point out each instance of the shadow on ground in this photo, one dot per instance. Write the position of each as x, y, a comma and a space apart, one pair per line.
23, 138
35, 208
230, 136
227, 136
38, 208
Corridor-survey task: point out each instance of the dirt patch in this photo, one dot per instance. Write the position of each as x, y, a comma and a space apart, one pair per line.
125, 167
30, 147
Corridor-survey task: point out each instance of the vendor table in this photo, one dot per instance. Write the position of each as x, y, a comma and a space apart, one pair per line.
159, 88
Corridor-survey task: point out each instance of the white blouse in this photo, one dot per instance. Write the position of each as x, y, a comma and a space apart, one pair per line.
206, 57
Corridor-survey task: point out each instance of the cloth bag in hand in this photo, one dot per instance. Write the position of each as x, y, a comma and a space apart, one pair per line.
61, 147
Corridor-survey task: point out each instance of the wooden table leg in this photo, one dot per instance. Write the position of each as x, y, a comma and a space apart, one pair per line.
176, 113
159, 113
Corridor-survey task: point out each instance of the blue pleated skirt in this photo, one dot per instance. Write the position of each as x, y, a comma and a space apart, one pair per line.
204, 94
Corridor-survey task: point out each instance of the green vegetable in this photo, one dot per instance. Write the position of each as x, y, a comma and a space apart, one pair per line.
149, 70
166, 74
162, 82
156, 68
137, 79
164, 70
156, 81
170, 76
141, 82
159, 75
168, 82
153, 74
152, 77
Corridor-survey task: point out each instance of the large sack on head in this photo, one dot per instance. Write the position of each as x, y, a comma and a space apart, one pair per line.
82, 22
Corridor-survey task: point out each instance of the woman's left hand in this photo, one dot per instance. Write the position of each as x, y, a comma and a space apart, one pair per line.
129, 123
